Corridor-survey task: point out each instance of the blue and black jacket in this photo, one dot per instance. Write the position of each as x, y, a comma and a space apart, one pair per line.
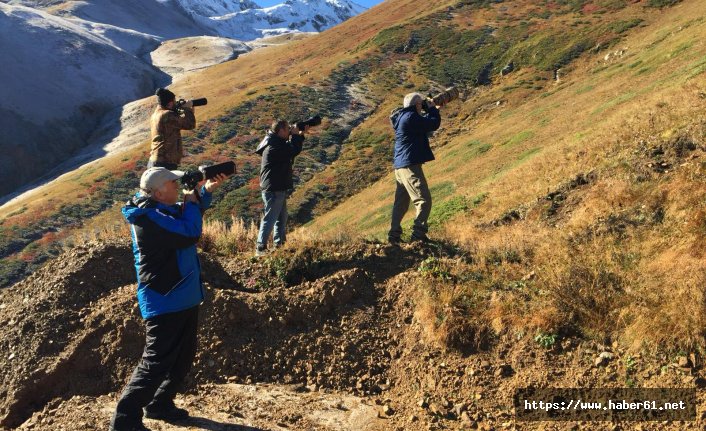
164, 244
411, 135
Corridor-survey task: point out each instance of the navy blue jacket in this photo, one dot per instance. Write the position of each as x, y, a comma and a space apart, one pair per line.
164, 244
278, 155
411, 136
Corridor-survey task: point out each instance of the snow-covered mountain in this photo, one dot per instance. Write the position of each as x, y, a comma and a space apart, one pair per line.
236, 19
217, 7
290, 16
58, 79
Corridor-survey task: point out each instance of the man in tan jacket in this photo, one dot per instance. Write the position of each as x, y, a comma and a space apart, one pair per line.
167, 123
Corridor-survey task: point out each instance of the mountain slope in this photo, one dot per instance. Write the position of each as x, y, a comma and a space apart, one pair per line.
585, 146
70, 76
569, 221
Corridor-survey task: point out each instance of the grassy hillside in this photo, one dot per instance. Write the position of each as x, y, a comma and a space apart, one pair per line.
581, 199
571, 175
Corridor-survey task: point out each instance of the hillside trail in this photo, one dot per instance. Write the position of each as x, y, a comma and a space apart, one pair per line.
320, 337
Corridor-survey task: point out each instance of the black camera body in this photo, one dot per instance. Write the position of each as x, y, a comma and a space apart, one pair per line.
311, 122
196, 102
191, 179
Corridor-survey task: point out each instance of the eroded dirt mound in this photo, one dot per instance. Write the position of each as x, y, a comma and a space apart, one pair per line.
73, 328
46, 318
328, 340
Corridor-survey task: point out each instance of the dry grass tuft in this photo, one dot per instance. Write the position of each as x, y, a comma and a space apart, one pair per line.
219, 237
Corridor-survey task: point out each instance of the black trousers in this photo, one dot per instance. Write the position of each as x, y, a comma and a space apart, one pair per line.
169, 352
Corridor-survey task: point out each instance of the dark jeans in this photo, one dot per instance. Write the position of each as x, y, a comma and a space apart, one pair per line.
275, 217
170, 166
169, 352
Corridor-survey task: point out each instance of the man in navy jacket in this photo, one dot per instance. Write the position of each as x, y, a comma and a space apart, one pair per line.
412, 128
169, 292
278, 150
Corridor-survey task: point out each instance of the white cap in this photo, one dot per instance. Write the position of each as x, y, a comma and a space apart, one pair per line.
154, 178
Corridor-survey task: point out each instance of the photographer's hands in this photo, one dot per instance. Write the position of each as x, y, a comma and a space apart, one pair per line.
210, 185
191, 196
214, 183
294, 130
431, 102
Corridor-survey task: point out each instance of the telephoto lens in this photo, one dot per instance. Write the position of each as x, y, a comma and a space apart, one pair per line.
447, 96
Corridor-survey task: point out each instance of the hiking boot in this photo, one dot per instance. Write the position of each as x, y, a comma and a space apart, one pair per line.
420, 238
260, 251
172, 413
394, 240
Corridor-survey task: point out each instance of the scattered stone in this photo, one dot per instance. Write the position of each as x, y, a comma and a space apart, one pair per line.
507, 69
423, 403
437, 410
387, 410
459, 409
603, 359
683, 362
504, 370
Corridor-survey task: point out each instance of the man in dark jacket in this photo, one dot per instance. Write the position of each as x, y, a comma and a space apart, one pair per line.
411, 151
166, 124
278, 150
169, 291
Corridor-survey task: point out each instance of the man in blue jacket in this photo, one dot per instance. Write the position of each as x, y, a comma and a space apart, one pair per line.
412, 127
169, 292
278, 150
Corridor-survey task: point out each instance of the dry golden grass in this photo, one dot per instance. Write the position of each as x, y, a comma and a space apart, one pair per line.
229, 239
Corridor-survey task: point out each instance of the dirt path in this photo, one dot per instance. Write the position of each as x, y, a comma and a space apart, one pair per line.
228, 407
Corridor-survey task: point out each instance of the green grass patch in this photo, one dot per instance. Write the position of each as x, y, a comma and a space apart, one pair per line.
526, 155
446, 210
379, 218
662, 3
620, 27
681, 49
615, 102
585, 89
442, 190
519, 138
697, 69
645, 70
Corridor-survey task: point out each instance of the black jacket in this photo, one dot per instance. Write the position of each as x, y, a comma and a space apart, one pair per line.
277, 159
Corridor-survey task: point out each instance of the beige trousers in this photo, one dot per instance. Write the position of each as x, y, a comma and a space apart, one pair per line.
411, 186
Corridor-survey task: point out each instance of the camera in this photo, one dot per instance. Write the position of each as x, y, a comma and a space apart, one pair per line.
191, 179
196, 102
311, 122
446, 96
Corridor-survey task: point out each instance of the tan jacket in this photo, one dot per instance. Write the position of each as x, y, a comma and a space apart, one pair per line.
166, 134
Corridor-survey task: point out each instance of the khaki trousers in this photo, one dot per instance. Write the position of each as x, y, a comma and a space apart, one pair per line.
411, 186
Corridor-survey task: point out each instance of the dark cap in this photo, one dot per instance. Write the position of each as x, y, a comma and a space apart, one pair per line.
164, 96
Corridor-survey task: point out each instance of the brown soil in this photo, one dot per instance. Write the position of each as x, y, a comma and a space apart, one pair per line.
325, 338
